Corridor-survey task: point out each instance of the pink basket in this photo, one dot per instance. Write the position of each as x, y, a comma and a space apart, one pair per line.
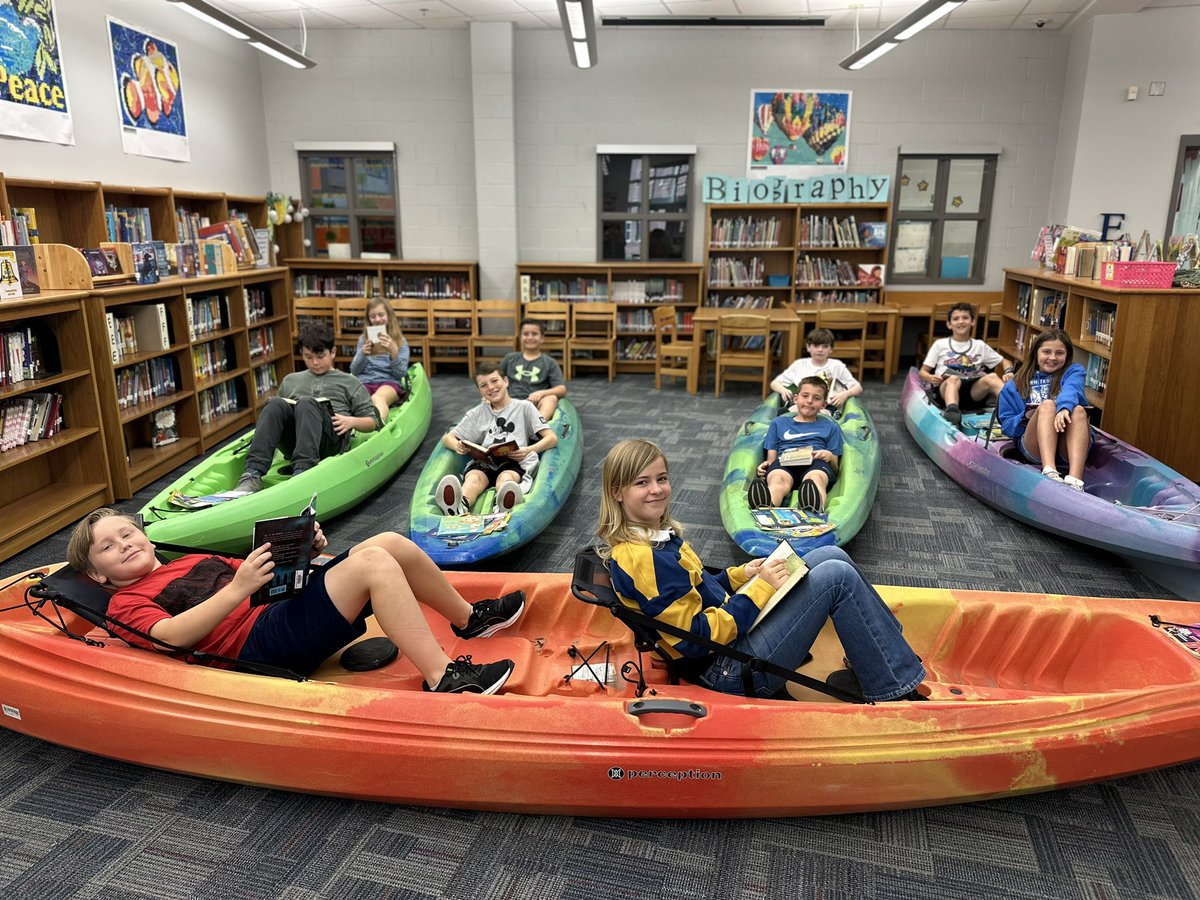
1154, 275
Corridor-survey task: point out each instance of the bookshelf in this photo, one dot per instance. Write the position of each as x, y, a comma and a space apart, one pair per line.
45, 485
760, 256
635, 287
317, 288
1131, 342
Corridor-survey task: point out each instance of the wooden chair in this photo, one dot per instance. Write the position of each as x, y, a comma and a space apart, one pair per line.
849, 327
594, 333
414, 324
495, 331
451, 329
555, 316
743, 346
674, 357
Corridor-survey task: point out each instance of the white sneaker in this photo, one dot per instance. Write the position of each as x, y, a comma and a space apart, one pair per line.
448, 496
508, 495
1052, 474
1072, 481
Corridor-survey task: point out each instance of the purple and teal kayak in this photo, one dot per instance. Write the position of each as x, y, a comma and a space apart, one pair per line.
1133, 505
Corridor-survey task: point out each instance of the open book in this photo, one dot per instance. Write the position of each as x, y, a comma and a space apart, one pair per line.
796, 570
797, 456
326, 403
291, 540
496, 451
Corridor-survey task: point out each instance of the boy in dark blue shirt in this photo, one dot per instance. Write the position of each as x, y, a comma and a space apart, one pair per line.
804, 449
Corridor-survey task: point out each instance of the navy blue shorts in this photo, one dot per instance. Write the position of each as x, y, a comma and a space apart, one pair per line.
492, 471
798, 472
303, 631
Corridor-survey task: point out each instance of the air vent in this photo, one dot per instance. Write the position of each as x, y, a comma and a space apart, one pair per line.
713, 21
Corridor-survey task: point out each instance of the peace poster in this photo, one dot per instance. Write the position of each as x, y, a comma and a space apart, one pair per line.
33, 92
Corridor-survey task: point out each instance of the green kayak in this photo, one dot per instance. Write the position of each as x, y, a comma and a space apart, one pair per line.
850, 500
340, 482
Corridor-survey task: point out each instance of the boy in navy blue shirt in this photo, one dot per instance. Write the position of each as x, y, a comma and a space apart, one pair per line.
804, 449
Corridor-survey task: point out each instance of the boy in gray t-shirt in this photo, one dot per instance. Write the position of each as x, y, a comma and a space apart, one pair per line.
531, 374
497, 420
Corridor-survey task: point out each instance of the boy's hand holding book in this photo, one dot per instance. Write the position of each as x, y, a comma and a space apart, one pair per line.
257, 570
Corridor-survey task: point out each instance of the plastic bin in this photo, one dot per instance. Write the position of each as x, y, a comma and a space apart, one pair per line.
1153, 275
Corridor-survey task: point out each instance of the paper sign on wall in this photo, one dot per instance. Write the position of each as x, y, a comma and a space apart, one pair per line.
821, 189
33, 91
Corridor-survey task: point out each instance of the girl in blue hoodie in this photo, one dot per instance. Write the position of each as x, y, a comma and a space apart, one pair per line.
1042, 409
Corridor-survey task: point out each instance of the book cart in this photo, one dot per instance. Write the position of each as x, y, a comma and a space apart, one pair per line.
1136, 345
635, 287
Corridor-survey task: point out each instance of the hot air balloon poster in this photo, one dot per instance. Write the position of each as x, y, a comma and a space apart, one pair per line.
33, 92
149, 93
798, 133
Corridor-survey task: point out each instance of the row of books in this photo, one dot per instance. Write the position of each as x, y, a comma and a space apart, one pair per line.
212, 359
745, 301
310, 284
130, 224
265, 379
1024, 300
426, 287
745, 231
832, 231
726, 272
238, 237
649, 290
188, 224
262, 342
258, 304
1096, 376
571, 290
219, 401
21, 229
1050, 307
823, 271
637, 350
207, 314
643, 320
23, 358
29, 418
146, 381
867, 296
1101, 323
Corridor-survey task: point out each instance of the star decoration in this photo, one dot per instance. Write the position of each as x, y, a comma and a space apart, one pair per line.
922, 185
904, 180
957, 201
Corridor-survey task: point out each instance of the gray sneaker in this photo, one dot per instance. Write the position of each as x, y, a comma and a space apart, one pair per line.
250, 483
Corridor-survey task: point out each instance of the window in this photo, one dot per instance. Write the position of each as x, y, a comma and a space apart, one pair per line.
644, 205
351, 198
940, 222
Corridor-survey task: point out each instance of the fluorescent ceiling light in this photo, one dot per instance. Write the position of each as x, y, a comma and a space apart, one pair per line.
921, 17
234, 26
579, 27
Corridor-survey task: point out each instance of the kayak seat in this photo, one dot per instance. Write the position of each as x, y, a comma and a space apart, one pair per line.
591, 583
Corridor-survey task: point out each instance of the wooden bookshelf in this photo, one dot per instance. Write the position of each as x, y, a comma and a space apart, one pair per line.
47, 484
635, 287
766, 255
1131, 341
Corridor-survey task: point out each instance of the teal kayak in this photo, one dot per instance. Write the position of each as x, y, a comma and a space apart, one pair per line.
849, 502
340, 482
552, 482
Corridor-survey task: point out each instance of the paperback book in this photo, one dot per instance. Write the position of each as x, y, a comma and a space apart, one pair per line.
24, 261
496, 451
796, 568
461, 526
291, 540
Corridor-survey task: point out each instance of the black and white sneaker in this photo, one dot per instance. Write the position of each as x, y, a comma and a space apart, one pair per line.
490, 616
465, 677
758, 494
810, 496
448, 496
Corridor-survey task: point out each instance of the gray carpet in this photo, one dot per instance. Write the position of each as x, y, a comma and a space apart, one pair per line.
74, 825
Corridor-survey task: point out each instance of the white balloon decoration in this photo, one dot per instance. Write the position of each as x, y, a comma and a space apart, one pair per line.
308, 242
287, 218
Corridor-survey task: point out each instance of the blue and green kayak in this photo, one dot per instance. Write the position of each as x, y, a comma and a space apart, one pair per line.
849, 502
340, 482
552, 482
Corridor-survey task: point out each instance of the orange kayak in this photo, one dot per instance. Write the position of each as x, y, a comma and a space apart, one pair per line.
1029, 692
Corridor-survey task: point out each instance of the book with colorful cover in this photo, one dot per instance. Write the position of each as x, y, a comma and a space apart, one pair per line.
462, 526
25, 260
291, 540
872, 234
796, 568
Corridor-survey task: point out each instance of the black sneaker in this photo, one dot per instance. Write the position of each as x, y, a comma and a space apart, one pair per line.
758, 494
465, 677
953, 415
810, 496
845, 680
490, 616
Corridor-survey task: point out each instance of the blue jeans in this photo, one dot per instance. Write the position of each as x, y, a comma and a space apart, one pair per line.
834, 588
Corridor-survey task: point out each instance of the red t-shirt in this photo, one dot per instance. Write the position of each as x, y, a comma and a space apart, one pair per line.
177, 586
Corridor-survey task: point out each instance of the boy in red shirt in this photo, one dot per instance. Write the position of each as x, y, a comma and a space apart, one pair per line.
201, 602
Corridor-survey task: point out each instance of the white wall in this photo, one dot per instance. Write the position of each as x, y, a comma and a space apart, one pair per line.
222, 102
411, 87
1125, 153
943, 89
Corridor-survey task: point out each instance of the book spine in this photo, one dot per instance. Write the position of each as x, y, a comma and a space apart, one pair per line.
163, 328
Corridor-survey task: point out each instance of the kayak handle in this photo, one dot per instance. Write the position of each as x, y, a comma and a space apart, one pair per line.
679, 707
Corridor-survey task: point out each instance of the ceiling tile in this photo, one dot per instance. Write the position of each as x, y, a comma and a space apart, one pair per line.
702, 7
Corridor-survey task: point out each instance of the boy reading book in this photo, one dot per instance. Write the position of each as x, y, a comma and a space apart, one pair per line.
842, 385
498, 421
805, 449
314, 414
291, 540
201, 602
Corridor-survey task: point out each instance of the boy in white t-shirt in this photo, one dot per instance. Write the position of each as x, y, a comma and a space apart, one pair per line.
842, 385
964, 368
498, 419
